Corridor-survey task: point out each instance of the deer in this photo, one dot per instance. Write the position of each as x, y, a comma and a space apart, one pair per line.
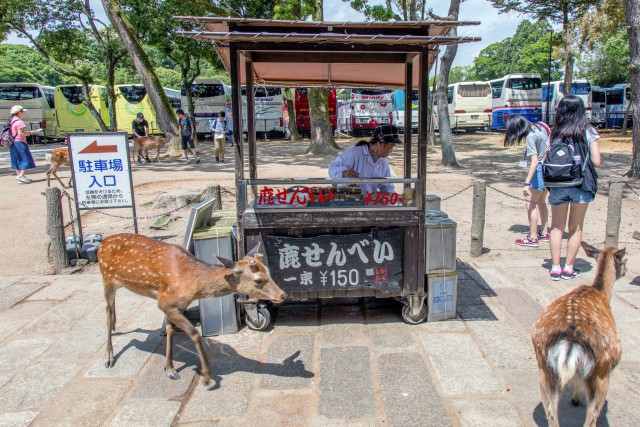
56, 158
150, 142
575, 339
171, 275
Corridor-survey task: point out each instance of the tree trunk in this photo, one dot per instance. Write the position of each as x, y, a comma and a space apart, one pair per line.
444, 125
632, 8
164, 113
86, 100
294, 135
322, 141
625, 120
111, 96
568, 68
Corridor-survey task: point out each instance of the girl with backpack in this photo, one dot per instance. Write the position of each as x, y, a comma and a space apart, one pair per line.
572, 135
536, 137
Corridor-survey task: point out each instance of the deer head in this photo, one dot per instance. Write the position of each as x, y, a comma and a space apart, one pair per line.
619, 262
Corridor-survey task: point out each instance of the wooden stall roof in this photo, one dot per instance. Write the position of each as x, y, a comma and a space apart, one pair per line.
340, 54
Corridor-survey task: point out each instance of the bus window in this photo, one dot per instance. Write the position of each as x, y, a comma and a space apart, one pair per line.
104, 95
262, 92
524, 83
73, 94
473, 91
577, 88
19, 93
133, 94
496, 89
614, 97
450, 95
49, 96
598, 97
545, 90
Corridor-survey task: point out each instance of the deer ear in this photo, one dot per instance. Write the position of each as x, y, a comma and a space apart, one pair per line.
258, 256
590, 250
619, 254
253, 251
226, 262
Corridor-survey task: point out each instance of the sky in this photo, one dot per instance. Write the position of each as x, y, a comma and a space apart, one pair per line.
493, 28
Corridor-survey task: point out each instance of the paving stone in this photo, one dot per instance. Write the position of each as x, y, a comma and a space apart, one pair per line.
245, 343
131, 351
410, 398
18, 354
452, 325
623, 401
345, 373
14, 319
524, 309
623, 311
288, 363
60, 289
470, 293
79, 344
4, 378
17, 419
227, 397
148, 317
343, 334
84, 402
36, 386
298, 318
632, 298
459, 365
630, 344
16, 292
64, 317
391, 314
392, 336
490, 412
476, 312
279, 408
151, 413
631, 370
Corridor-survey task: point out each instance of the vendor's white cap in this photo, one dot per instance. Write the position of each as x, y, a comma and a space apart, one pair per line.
16, 109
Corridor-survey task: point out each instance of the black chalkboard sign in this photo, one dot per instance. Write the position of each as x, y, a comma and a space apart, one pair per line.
333, 262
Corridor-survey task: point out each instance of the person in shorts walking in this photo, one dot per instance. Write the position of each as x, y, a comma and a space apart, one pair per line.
187, 131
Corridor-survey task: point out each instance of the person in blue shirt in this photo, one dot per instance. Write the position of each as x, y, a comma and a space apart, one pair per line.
220, 134
368, 159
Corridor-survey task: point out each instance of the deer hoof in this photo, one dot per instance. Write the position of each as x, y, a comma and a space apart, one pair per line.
205, 381
108, 364
173, 375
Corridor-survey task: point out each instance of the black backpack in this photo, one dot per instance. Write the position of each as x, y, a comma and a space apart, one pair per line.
563, 165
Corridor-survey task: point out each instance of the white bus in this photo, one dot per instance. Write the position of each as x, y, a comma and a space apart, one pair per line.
618, 97
361, 110
598, 106
210, 96
269, 114
399, 109
37, 99
470, 106
516, 94
580, 88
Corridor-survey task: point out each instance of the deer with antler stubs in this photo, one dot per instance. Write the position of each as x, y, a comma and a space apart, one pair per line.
147, 142
56, 158
174, 277
576, 342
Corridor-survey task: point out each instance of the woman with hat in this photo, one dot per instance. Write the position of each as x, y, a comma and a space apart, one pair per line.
21, 158
368, 159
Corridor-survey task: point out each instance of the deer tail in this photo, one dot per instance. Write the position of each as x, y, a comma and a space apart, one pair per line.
48, 157
568, 359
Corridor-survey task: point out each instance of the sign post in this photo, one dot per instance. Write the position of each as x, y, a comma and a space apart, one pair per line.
101, 172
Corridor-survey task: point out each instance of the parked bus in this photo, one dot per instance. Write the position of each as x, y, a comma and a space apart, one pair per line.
618, 98
598, 106
209, 96
39, 102
470, 106
301, 106
516, 94
580, 88
399, 110
132, 99
74, 116
269, 115
361, 110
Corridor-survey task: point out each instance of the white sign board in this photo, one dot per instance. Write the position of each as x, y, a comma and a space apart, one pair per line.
101, 170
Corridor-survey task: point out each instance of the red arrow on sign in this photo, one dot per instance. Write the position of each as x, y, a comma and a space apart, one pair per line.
94, 148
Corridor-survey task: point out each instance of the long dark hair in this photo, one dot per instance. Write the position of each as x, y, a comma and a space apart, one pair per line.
571, 120
517, 129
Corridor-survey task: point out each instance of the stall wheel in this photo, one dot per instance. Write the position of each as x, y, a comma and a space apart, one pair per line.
406, 315
260, 320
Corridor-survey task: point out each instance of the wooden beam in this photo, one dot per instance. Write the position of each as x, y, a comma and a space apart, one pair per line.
328, 57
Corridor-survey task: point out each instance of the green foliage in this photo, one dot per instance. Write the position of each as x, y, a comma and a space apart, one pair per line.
20, 63
461, 74
372, 12
552, 10
609, 63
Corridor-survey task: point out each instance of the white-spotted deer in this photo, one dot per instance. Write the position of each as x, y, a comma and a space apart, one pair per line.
56, 158
174, 277
576, 342
139, 144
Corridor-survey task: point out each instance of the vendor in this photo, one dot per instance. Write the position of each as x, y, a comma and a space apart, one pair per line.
368, 159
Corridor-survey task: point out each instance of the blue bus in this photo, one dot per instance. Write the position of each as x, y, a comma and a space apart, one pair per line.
398, 110
618, 97
516, 94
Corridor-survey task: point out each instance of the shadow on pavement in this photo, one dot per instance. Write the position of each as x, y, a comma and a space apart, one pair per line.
568, 414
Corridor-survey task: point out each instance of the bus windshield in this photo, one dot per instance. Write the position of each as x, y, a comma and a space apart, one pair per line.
371, 91
204, 90
19, 93
614, 97
73, 94
133, 94
577, 88
262, 92
473, 91
496, 89
524, 83
598, 97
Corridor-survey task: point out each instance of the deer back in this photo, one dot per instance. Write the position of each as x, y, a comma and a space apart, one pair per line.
59, 157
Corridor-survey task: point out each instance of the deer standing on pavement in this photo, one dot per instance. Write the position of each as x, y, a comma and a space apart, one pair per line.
56, 158
174, 277
150, 142
576, 342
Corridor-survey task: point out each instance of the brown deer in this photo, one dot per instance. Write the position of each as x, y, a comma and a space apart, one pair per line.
56, 158
174, 277
576, 342
139, 144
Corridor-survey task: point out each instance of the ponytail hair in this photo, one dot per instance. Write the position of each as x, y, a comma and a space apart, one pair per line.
517, 129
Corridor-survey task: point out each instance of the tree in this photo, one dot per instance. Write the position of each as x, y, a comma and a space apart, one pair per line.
32, 67
607, 63
462, 73
632, 9
565, 12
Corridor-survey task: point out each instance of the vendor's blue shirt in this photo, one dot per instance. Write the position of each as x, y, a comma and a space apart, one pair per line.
359, 159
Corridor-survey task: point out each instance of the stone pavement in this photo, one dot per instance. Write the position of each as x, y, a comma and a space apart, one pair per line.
324, 363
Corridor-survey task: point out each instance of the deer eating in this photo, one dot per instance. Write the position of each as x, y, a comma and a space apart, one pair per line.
147, 142
56, 158
575, 339
171, 275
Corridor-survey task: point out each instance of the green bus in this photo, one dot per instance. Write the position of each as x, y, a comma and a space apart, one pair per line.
72, 115
132, 99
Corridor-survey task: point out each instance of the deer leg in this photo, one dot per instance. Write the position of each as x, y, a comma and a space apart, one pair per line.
56, 175
177, 318
550, 397
596, 391
158, 155
49, 176
110, 296
168, 363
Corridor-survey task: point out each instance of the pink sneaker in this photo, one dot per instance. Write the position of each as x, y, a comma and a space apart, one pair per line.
543, 237
528, 241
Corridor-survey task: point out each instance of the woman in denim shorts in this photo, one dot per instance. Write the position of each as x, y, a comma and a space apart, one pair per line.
537, 139
571, 203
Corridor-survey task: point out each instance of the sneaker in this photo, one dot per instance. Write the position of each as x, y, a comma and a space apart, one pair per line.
543, 237
197, 160
139, 161
528, 241
555, 274
147, 160
23, 180
570, 274
222, 161
187, 160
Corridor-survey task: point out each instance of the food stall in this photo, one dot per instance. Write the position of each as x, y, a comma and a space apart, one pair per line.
322, 237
